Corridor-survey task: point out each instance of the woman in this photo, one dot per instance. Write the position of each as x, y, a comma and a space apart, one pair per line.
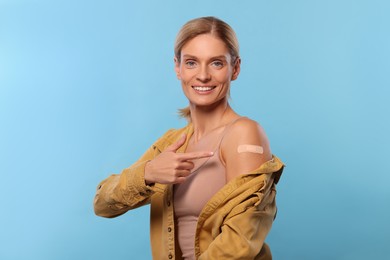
211, 184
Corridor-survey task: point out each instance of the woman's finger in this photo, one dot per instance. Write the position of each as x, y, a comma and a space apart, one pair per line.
174, 147
185, 165
183, 173
195, 155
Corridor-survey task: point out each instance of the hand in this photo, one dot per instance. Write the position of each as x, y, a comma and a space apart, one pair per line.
170, 167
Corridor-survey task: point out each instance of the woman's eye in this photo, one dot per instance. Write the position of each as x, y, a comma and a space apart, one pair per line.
218, 64
190, 63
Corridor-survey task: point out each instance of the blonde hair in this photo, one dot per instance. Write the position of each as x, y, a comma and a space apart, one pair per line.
205, 25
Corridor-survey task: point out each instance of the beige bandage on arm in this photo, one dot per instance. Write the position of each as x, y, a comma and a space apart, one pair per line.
249, 148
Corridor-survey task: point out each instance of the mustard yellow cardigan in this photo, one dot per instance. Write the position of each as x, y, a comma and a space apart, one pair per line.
232, 225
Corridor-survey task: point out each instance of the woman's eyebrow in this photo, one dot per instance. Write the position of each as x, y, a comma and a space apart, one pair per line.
187, 56
219, 57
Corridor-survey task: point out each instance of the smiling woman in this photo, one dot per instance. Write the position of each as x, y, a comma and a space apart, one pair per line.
206, 70
211, 184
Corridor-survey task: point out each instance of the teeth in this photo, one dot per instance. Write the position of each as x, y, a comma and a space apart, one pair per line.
203, 88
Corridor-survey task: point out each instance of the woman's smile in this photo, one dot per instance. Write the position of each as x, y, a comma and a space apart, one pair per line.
203, 89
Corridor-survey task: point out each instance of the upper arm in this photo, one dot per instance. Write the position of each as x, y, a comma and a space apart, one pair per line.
244, 133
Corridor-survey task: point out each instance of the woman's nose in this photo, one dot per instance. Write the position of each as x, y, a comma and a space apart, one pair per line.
203, 74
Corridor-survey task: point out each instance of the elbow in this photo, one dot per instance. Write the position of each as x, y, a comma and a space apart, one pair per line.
103, 209
100, 205
104, 214
99, 209
100, 212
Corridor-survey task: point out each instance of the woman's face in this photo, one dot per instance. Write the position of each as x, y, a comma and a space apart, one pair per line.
205, 70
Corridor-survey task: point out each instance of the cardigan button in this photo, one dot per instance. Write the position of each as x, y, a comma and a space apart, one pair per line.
169, 203
169, 229
170, 256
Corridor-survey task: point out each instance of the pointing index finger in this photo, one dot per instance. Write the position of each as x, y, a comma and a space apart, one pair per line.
196, 155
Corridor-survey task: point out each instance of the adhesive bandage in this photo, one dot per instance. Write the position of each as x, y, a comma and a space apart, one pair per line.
249, 148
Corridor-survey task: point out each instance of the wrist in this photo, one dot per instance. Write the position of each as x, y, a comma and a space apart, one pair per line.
147, 174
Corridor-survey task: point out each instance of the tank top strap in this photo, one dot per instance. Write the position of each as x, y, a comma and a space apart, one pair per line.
226, 130
218, 143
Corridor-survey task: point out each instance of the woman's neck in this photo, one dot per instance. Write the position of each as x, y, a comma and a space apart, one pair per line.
205, 120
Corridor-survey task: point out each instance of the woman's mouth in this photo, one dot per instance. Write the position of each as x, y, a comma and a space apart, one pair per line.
203, 88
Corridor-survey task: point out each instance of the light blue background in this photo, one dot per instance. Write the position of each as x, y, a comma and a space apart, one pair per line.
87, 86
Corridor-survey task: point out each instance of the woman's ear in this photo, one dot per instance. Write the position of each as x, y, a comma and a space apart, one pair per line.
236, 68
177, 67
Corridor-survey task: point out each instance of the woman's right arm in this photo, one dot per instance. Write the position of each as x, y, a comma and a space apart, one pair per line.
164, 165
121, 192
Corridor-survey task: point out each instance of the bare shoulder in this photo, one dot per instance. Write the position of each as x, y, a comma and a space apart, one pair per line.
246, 129
244, 147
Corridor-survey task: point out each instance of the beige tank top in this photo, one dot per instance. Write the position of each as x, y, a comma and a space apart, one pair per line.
206, 179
